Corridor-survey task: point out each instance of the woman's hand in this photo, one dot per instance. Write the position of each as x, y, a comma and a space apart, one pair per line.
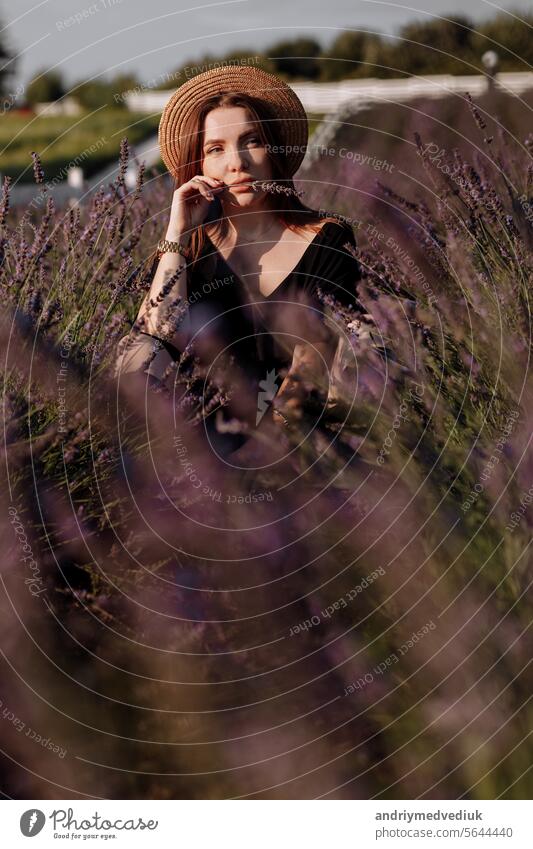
288, 402
286, 412
308, 365
190, 204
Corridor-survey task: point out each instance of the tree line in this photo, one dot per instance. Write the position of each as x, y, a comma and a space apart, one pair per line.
441, 45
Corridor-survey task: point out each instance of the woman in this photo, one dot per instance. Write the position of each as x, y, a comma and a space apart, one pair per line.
243, 257
244, 266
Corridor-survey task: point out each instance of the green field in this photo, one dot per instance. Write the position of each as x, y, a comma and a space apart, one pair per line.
90, 140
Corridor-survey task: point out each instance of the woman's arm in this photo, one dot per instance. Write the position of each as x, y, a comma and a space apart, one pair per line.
143, 344
136, 348
152, 319
190, 204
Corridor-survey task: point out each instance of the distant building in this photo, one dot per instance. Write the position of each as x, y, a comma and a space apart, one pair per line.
66, 106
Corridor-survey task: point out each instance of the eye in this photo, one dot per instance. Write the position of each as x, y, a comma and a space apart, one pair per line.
254, 138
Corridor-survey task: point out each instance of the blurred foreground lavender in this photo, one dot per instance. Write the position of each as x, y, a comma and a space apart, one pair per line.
360, 630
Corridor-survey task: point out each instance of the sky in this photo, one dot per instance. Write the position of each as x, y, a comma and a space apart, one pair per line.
99, 38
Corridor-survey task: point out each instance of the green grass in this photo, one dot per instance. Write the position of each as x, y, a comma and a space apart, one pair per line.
90, 140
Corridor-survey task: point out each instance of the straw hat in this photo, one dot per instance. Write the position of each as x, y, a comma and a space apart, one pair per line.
292, 127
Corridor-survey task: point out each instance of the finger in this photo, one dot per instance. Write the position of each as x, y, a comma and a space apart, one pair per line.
199, 188
213, 181
196, 187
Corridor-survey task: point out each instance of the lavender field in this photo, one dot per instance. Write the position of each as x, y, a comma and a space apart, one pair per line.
351, 619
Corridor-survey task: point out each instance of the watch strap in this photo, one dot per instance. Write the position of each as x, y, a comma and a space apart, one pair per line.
166, 246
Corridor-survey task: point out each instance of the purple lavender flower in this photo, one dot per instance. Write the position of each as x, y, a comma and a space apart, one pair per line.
38, 171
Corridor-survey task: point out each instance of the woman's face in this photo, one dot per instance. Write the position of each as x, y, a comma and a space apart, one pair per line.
233, 151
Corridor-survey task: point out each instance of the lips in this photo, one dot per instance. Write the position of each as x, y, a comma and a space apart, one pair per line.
245, 182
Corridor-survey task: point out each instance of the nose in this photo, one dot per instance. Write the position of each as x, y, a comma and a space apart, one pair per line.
237, 159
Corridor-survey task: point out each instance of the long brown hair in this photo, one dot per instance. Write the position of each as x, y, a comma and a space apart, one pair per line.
287, 207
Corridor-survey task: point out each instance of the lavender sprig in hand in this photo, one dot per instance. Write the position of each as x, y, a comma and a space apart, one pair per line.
275, 188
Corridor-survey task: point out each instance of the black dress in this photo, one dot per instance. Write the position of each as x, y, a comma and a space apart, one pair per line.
259, 333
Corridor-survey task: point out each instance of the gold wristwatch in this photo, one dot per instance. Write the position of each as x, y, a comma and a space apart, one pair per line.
164, 246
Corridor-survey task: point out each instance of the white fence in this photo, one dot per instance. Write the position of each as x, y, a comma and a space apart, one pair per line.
324, 98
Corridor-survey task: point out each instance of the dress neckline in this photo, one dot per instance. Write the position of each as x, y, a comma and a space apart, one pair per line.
289, 275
